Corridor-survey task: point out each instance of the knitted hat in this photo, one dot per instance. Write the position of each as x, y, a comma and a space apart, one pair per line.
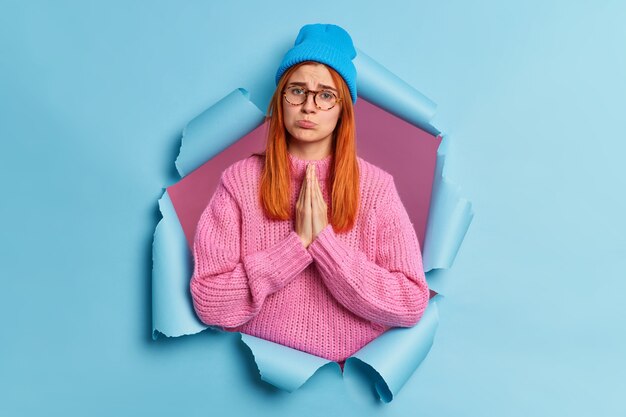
328, 44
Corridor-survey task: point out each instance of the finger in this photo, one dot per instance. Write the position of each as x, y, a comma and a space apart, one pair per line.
323, 208
304, 181
302, 191
318, 190
318, 186
307, 197
314, 186
314, 178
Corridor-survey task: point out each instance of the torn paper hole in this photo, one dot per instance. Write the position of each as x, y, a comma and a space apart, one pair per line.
208, 147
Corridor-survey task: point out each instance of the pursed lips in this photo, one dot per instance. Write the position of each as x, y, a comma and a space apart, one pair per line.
305, 124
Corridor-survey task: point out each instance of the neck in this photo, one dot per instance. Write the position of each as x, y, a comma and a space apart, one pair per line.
298, 166
310, 151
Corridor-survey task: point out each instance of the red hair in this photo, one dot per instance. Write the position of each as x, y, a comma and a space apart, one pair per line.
343, 177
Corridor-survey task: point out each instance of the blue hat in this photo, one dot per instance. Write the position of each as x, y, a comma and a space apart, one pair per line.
328, 44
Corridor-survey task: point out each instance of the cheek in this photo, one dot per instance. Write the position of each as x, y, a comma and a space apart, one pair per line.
288, 118
289, 114
332, 120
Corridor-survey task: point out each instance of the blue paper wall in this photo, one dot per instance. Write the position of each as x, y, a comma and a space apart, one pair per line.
93, 99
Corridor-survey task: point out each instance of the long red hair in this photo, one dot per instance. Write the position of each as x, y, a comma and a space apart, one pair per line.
343, 176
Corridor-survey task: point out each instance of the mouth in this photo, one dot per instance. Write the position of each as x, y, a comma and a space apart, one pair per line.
305, 124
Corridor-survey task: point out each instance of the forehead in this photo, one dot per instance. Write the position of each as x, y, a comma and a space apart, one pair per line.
312, 75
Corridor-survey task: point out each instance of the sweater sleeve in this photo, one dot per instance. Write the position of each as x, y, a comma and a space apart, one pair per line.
391, 291
229, 289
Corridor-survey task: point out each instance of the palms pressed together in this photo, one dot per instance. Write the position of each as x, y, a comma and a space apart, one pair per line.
311, 209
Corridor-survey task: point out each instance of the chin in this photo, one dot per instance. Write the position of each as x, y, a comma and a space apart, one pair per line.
307, 136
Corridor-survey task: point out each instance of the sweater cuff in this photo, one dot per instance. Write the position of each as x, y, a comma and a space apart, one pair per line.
271, 269
327, 250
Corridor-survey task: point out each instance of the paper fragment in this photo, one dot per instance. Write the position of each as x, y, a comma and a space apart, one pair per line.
172, 308
282, 366
216, 129
448, 220
395, 355
378, 85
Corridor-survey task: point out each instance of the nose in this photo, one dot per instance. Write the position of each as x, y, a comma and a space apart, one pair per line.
309, 104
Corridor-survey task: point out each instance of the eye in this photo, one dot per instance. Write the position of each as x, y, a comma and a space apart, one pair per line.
296, 91
326, 95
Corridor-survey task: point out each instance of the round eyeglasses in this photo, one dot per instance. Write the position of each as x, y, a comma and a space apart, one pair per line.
323, 99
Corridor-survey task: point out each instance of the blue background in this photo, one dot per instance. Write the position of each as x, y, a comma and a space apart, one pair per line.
93, 100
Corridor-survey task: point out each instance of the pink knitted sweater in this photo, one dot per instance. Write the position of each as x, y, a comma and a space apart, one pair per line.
254, 275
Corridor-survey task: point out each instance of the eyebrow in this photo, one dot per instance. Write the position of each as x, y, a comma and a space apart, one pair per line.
324, 86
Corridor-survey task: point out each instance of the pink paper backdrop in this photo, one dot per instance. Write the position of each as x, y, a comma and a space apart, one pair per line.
405, 151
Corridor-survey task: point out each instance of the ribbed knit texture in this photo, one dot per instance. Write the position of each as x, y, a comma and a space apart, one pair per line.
254, 275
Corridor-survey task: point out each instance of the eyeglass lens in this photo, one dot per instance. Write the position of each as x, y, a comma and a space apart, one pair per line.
324, 99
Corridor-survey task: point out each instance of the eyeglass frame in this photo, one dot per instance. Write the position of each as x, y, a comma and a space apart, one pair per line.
315, 93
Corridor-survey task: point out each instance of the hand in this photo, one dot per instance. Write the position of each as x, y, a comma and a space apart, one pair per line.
311, 209
304, 224
319, 209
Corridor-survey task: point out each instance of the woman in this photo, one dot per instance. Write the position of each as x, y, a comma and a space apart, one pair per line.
308, 245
